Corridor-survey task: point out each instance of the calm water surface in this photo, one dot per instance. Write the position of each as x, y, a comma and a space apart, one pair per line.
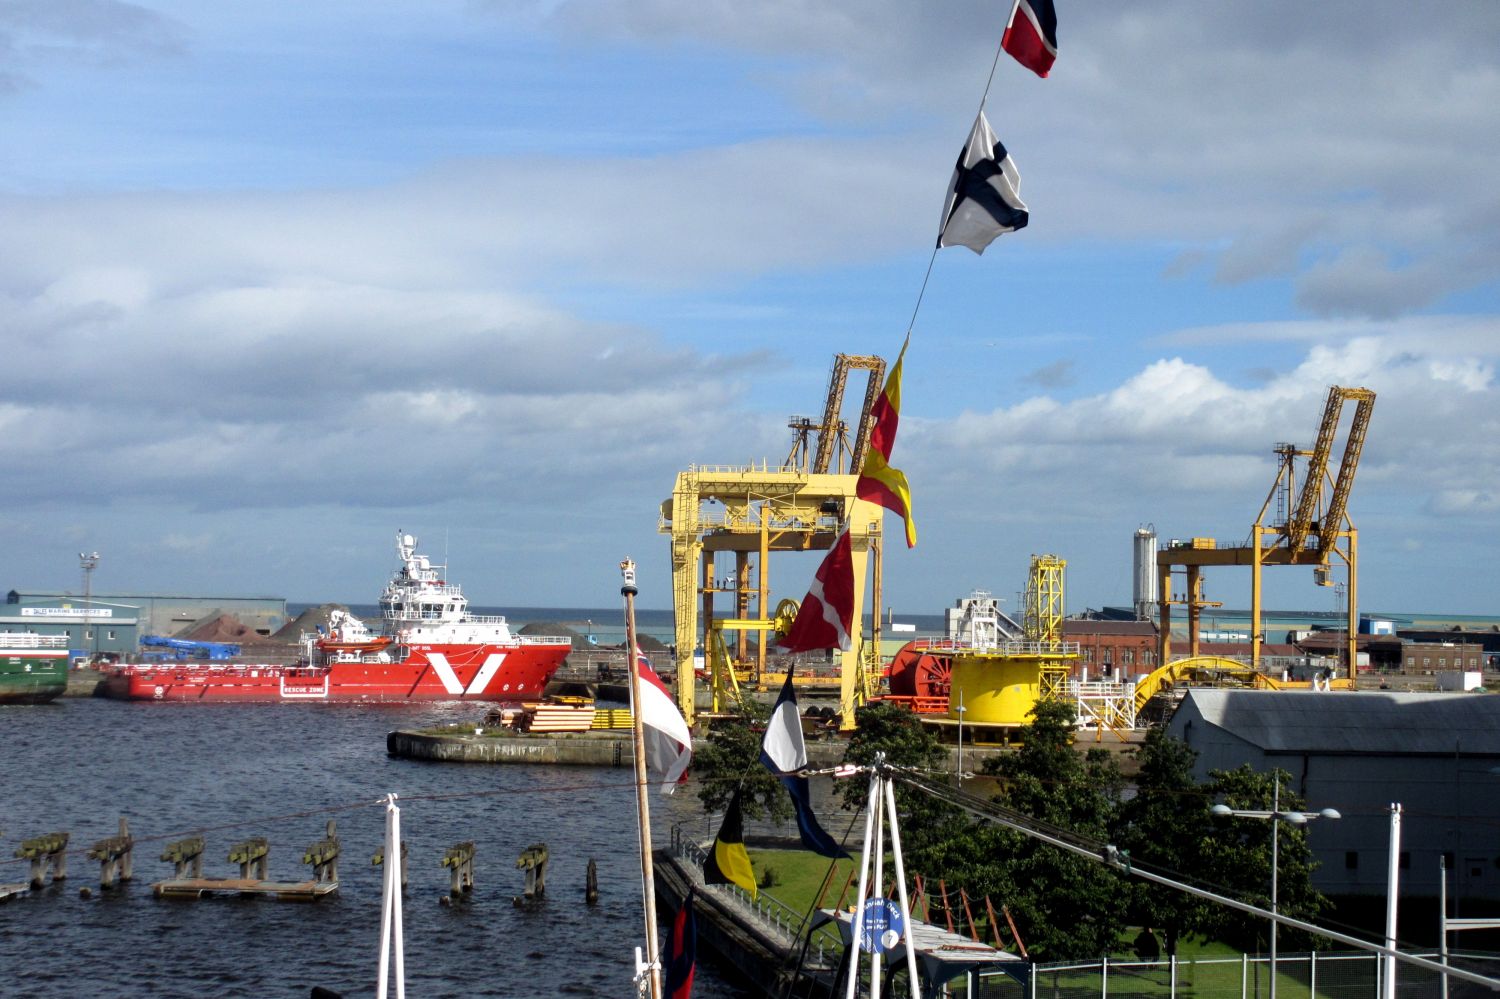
236, 771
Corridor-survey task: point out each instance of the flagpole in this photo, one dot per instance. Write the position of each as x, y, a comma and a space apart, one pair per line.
911, 949
857, 923
877, 958
643, 806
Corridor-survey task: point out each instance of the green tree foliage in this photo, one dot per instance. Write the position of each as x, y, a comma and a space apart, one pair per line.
732, 759
1167, 826
926, 825
1239, 860
1067, 906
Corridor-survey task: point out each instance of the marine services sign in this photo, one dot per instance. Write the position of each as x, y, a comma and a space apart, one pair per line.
67, 612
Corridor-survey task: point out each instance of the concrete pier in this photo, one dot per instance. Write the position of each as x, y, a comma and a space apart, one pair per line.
589, 749
594, 749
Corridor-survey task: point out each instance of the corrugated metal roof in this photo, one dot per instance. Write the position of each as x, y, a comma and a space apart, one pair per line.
1088, 627
1386, 723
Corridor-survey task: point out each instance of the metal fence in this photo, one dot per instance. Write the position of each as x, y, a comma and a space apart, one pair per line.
1300, 976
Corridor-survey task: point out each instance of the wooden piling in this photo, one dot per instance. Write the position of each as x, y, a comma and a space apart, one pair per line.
186, 855
50, 850
533, 860
460, 858
251, 855
324, 855
115, 856
379, 859
591, 884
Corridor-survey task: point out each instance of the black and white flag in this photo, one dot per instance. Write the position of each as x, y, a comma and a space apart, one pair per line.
984, 197
784, 753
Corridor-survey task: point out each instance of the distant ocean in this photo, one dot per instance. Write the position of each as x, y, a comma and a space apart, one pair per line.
607, 625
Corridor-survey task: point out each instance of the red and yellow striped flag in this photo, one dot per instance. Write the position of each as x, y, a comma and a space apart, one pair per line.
878, 481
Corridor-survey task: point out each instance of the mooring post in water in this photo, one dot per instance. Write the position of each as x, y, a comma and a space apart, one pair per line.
46, 851
324, 855
251, 856
379, 860
460, 858
114, 856
591, 884
183, 855
533, 860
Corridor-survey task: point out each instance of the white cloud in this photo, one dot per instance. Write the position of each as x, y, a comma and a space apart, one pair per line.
451, 342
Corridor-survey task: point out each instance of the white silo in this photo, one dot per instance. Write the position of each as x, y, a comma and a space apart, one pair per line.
1144, 593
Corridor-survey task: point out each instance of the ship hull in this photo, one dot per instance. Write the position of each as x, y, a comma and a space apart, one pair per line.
32, 677
430, 673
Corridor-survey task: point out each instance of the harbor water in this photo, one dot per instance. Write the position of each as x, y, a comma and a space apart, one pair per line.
231, 772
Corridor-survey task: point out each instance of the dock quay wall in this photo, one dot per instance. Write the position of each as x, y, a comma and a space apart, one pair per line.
594, 749
759, 940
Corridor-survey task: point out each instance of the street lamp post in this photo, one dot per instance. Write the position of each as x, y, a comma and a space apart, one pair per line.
960, 738
88, 561
1277, 816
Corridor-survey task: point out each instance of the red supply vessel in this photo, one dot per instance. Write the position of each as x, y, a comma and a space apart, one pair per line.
429, 648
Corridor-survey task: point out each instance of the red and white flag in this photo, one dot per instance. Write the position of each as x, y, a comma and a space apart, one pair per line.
824, 619
669, 744
1031, 35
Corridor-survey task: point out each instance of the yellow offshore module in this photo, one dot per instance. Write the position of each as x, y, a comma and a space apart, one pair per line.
1000, 685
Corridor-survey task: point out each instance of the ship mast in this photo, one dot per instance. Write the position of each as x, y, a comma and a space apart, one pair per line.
652, 966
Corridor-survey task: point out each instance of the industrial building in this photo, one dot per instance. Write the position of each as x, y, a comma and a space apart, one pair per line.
1436, 754
114, 623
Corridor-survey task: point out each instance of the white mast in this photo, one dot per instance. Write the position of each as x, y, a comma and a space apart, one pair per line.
880, 807
643, 807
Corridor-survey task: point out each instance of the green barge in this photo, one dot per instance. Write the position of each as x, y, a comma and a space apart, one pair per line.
33, 668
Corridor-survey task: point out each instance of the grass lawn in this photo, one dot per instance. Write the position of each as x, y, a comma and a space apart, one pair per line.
798, 874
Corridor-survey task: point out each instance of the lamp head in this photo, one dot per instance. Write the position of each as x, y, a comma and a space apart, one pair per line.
1221, 811
1330, 813
1295, 818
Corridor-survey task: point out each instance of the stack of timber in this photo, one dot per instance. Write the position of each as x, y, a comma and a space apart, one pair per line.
563, 717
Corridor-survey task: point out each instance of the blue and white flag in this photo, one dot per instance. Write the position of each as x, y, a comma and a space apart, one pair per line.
784, 752
984, 196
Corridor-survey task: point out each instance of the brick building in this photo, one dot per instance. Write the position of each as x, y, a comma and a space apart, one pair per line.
1420, 658
1105, 646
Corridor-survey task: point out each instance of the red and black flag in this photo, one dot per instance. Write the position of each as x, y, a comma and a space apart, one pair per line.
682, 950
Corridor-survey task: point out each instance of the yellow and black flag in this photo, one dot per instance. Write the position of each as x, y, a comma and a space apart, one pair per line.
728, 863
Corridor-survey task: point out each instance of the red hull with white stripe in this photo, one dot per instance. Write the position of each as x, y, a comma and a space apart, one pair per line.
430, 648
489, 674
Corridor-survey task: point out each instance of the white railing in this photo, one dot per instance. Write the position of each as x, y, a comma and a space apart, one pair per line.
31, 640
544, 640
1299, 976
767, 910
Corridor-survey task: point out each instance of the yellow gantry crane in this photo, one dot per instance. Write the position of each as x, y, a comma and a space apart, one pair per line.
1312, 531
1043, 622
752, 511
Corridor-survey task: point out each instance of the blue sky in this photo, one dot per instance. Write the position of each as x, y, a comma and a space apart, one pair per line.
280, 280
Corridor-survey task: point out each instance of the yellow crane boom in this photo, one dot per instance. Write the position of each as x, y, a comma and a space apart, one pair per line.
1320, 513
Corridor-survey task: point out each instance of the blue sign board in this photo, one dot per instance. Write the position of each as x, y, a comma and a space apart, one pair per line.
881, 926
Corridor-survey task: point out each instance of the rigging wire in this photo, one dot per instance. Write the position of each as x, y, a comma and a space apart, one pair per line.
937, 243
1110, 856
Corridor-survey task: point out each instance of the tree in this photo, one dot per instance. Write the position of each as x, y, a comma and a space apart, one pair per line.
1069, 906
1167, 826
1238, 860
731, 759
900, 735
